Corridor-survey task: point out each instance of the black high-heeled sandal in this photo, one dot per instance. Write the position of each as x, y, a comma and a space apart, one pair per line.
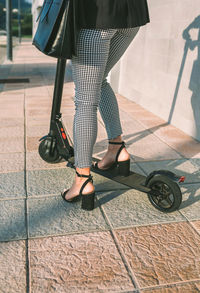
87, 199
123, 168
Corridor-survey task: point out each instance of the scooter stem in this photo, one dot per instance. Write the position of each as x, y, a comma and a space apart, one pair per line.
58, 89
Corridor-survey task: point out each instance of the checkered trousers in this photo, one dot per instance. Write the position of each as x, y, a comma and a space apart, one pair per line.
97, 52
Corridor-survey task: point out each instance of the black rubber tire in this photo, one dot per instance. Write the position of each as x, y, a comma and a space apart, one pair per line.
169, 191
44, 154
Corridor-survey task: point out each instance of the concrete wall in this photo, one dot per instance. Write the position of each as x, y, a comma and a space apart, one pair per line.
36, 6
161, 69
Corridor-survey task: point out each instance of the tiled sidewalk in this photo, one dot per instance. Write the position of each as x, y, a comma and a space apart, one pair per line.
124, 244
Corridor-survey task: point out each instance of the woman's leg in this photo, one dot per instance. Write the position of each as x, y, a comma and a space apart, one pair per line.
88, 69
108, 104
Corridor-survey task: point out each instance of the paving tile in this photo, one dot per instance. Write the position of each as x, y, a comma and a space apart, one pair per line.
132, 208
12, 185
147, 119
196, 225
13, 111
40, 91
154, 250
12, 131
190, 206
4, 97
68, 91
12, 220
38, 113
144, 146
134, 167
137, 112
37, 121
53, 216
178, 288
11, 162
130, 126
11, 122
13, 267
180, 141
37, 102
38, 109
55, 180
11, 144
32, 143
184, 167
15, 92
8, 102
49, 181
35, 131
35, 162
77, 263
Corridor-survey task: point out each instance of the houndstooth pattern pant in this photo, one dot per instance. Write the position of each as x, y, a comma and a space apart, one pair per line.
97, 52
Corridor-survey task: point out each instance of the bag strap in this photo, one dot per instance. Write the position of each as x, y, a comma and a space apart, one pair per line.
40, 11
46, 14
65, 23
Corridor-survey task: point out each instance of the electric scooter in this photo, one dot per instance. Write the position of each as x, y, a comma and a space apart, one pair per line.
161, 186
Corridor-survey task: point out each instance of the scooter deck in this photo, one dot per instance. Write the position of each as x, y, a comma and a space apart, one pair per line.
134, 180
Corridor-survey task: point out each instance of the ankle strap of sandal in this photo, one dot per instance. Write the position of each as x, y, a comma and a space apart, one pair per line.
86, 182
119, 143
84, 176
119, 151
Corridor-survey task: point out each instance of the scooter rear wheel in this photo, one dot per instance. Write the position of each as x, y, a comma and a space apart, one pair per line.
48, 153
165, 194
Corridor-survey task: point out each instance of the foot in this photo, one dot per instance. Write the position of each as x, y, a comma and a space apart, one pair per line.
111, 153
77, 184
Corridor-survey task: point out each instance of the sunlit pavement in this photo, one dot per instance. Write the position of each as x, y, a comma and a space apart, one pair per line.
124, 244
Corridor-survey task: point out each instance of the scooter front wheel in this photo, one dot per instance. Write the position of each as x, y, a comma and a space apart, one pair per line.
165, 194
48, 151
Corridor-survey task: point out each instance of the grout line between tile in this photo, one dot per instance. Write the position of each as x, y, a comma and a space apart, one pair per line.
12, 198
138, 165
187, 219
132, 291
170, 284
69, 233
119, 248
194, 228
150, 224
191, 224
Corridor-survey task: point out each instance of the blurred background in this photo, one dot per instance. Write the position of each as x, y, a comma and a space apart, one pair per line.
21, 19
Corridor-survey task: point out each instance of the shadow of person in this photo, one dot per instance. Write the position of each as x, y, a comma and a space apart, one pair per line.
194, 84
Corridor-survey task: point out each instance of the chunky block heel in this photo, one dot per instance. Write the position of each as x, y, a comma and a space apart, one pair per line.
88, 201
117, 168
124, 168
